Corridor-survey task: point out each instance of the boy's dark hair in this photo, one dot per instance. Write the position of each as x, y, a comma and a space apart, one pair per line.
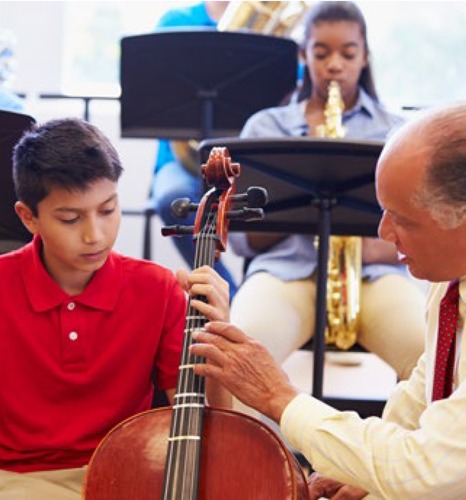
330, 12
68, 154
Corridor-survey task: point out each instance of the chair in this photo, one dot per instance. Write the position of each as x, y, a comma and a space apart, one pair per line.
147, 213
364, 407
12, 232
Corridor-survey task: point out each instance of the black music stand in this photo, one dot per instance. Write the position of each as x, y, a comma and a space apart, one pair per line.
315, 186
201, 83
12, 232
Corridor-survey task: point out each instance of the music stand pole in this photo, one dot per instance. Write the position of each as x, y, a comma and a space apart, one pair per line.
321, 296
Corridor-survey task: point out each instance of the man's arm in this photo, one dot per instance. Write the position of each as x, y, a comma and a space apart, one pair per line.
386, 458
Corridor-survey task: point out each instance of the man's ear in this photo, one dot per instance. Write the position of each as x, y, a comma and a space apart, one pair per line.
26, 216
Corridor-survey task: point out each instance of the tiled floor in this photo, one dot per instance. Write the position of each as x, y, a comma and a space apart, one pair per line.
349, 375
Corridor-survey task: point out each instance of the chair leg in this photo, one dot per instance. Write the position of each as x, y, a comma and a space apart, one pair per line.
147, 238
364, 407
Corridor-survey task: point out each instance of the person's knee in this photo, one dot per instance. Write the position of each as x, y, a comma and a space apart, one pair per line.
164, 210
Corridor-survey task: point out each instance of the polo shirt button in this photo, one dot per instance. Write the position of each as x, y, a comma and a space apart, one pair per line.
73, 336
71, 306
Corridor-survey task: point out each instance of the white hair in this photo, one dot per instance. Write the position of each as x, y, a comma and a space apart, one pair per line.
443, 192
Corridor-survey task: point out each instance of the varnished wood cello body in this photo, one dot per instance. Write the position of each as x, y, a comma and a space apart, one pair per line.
191, 451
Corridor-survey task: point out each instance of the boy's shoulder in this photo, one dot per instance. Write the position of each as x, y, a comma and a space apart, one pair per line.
142, 282
11, 261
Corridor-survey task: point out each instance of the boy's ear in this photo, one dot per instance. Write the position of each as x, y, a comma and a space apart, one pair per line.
26, 216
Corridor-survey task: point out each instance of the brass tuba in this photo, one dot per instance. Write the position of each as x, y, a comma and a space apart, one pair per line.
268, 18
345, 252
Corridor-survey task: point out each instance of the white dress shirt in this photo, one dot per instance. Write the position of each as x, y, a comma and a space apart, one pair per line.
417, 450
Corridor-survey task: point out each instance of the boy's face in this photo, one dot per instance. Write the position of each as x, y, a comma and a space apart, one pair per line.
78, 230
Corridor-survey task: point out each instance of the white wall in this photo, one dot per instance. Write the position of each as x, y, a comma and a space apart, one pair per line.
40, 35
38, 29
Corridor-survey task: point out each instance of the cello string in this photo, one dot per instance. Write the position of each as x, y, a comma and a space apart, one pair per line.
188, 380
194, 385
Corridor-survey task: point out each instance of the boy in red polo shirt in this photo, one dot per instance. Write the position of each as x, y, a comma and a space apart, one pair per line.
83, 328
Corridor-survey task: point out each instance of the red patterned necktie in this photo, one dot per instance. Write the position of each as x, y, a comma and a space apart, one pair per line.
446, 340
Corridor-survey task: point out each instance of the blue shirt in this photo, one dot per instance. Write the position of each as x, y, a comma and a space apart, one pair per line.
295, 257
191, 16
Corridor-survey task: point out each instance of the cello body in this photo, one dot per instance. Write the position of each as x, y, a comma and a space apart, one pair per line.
242, 459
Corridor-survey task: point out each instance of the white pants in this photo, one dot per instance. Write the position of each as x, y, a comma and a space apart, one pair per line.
281, 315
63, 484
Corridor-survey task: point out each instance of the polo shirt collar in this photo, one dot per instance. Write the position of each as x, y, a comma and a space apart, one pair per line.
44, 292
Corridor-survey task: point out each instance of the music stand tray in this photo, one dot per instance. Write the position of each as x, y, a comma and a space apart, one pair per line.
315, 186
201, 83
12, 127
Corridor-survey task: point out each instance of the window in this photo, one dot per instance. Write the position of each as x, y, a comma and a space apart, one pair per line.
417, 47
417, 50
92, 42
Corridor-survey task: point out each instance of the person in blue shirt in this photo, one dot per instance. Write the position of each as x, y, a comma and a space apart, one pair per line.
172, 179
276, 302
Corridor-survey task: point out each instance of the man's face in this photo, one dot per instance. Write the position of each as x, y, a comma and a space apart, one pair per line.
430, 252
78, 230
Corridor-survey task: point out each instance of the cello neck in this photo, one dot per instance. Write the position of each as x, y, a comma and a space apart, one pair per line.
184, 442
182, 469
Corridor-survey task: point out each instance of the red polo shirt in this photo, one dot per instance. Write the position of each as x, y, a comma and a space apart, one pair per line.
72, 367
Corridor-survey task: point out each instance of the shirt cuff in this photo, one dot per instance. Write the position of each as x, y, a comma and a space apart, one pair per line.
302, 415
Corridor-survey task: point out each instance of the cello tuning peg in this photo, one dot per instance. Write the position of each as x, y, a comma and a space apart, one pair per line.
255, 197
177, 230
182, 206
246, 214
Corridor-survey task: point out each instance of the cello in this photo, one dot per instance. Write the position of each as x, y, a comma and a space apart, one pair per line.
192, 451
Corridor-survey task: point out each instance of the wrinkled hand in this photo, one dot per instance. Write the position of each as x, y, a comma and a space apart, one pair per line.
321, 486
244, 367
206, 281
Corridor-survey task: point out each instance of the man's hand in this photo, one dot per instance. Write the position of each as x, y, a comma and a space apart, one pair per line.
244, 367
324, 487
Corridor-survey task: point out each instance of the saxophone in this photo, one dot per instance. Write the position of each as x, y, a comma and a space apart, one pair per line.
345, 252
